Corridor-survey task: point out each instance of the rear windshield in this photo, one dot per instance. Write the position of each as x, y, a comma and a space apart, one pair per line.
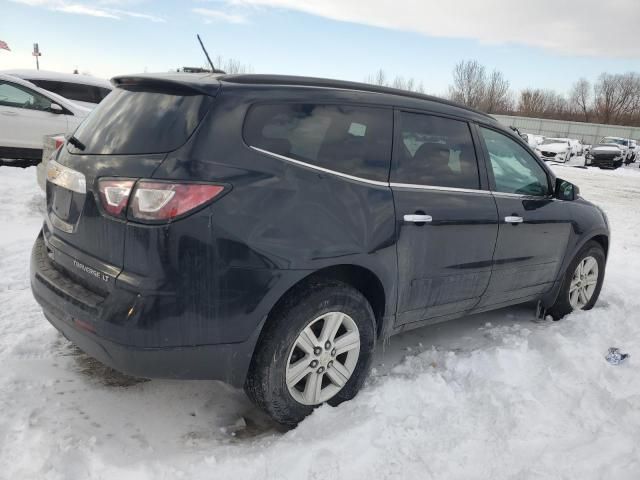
74, 91
132, 121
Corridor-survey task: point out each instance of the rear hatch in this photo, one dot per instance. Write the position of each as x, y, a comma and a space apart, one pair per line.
127, 136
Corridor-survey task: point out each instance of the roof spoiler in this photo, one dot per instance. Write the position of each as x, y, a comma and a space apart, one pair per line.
178, 83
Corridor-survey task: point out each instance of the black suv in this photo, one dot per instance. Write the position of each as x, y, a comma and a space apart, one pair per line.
266, 230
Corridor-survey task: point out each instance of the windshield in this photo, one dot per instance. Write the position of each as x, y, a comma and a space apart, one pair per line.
617, 141
136, 120
549, 141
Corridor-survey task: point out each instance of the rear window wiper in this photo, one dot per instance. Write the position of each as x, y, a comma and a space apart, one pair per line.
76, 143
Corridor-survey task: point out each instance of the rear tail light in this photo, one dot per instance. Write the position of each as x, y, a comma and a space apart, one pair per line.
114, 195
158, 201
153, 201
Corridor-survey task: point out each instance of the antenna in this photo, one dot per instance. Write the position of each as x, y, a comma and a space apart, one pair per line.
213, 69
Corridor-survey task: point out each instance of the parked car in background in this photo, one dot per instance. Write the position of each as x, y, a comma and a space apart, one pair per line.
577, 148
555, 149
606, 154
84, 90
28, 113
532, 140
50, 145
623, 144
207, 236
633, 146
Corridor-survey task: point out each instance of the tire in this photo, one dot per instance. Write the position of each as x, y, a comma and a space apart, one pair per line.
563, 305
617, 165
279, 344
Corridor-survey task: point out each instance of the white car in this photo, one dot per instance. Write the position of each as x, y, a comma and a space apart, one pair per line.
50, 145
577, 148
28, 113
532, 140
84, 90
555, 149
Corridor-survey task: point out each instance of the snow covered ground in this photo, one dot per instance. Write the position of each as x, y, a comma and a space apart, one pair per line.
496, 395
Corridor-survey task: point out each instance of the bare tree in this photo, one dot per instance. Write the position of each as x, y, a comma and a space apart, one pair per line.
613, 99
231, 65
617, 96
543, 103
380, 78
532, 102
469, 83
580, 98
497, 95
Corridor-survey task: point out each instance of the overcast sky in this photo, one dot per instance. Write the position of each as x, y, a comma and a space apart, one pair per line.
542, 43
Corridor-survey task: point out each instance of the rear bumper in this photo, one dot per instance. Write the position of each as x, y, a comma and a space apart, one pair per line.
226, 362
97, 325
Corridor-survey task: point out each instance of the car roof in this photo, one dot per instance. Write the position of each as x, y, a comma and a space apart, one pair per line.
209, 83
300, 81
58, 76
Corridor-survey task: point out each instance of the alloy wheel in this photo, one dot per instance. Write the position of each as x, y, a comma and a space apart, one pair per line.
323, 358
583, 283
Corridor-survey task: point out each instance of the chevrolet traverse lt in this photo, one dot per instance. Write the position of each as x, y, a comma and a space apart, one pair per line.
266, 230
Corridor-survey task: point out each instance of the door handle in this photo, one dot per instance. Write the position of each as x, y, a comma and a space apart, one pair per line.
417, 218
8, 113
513, 219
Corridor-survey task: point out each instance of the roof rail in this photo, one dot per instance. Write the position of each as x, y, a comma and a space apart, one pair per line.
261, 79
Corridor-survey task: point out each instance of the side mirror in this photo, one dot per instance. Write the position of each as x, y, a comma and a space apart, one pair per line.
566, 190
55, 108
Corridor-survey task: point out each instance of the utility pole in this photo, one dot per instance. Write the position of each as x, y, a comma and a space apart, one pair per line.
36, 53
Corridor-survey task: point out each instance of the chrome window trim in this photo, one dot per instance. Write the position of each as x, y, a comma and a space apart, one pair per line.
393, 184
521, 195
320, 169
437, 188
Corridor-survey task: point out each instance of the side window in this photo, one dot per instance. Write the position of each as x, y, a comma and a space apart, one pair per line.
17, 96
347, 139
434, 151
514, 169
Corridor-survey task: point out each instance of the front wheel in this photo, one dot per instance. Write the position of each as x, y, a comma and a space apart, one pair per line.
583, 281
316, 348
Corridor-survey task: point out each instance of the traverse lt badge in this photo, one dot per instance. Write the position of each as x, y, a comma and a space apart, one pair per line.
99, 275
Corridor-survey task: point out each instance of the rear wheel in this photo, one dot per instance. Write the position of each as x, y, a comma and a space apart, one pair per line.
582, 283
315, 349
